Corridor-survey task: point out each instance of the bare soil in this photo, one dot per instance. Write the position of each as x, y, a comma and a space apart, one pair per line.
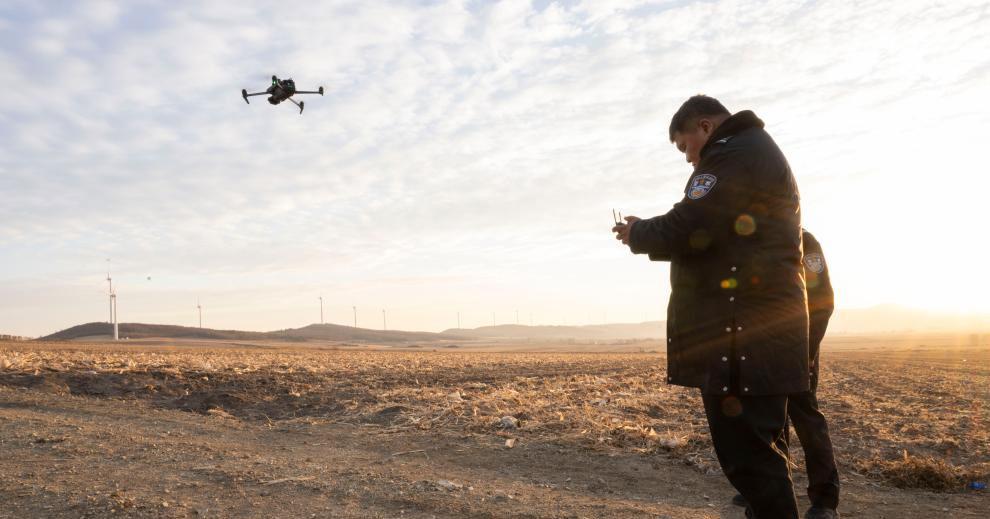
230, 431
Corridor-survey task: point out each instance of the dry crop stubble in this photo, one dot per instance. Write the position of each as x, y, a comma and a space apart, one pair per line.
912, 420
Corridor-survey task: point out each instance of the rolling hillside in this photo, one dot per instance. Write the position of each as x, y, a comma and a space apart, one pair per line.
603, 332
315, 332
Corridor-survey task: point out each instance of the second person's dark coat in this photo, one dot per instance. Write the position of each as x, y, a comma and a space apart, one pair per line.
821, 300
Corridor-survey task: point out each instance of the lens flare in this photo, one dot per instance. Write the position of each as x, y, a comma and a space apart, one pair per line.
731, 406
700, 239
745, 225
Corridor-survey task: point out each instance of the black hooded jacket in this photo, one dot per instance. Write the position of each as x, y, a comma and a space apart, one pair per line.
737, 320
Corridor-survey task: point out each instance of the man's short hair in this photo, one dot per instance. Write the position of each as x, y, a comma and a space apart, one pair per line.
693, 109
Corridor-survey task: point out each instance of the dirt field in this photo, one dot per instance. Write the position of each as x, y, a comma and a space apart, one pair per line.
163, 429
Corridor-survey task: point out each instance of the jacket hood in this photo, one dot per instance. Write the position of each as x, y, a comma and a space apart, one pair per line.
735, 124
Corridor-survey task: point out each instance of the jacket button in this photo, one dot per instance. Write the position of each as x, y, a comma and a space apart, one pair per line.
670, 379
726, 388
745, 389
743, 357
738, 328
733, 269
728, 329
732, 298
669, 339
725, 359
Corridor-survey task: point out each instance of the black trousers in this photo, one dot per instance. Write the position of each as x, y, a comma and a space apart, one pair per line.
749, 436
812, 430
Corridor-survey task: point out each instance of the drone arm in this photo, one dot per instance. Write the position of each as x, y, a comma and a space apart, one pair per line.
246, 95
320, 91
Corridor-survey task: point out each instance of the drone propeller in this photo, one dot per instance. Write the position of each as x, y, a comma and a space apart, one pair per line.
244, 94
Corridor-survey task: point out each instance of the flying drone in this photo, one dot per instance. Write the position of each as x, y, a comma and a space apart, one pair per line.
281, 90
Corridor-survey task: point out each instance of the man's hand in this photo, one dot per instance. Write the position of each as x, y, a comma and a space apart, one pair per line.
622, 230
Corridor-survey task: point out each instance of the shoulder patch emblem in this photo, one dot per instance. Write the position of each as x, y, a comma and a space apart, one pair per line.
814, 262
701, 185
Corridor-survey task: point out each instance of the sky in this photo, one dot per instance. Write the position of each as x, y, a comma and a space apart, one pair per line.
467, 155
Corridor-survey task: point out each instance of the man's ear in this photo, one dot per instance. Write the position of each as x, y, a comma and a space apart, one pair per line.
706, 126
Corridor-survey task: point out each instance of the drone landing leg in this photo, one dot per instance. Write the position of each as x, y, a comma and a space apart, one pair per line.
300, 105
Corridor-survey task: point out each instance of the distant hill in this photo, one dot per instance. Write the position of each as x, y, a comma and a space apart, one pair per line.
604, 332
336, 332
325, 332
884, 319
143, 331
898, 319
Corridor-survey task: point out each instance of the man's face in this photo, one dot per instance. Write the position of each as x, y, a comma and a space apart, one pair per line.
690, 142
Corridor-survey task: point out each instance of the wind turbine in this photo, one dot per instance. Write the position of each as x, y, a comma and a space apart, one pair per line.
199, 307
321, 309
110, 292
113, 306
113, 301
384, 325
355, 315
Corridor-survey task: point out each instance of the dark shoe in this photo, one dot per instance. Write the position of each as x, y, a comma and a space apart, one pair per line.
739, 500
821, 513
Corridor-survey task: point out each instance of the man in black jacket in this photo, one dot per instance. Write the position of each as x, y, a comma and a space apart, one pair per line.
737, 320
802, 408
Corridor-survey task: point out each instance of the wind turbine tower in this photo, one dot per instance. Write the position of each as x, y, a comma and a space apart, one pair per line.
113, 305
199, 308
110, 292
321, 309
384, 324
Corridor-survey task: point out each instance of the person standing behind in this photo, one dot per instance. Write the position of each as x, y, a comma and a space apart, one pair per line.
802, 408
737, 320
809, 422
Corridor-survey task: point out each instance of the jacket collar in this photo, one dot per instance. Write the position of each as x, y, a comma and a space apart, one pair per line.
735, 124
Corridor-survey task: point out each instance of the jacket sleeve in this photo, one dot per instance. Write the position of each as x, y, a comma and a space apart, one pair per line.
818, 324
821, 298
695, 222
